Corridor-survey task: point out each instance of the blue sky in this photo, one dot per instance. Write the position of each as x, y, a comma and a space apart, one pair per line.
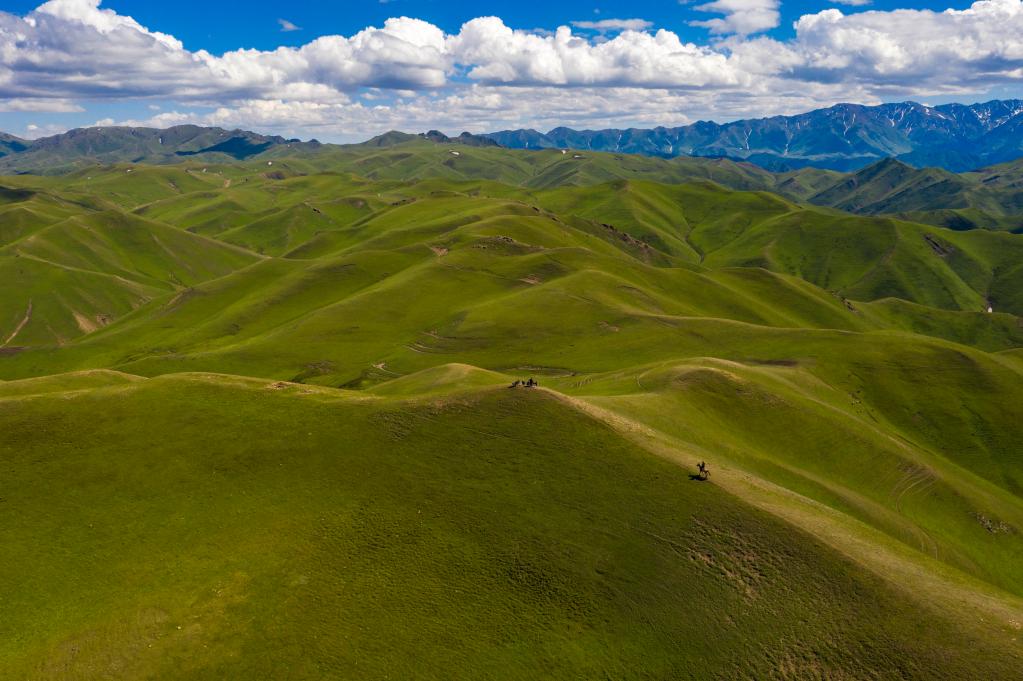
223, 26
344, 71
220, 27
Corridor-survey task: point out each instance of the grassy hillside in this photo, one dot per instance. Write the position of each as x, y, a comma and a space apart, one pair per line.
260, 413
79, 274
986, 199
495, 532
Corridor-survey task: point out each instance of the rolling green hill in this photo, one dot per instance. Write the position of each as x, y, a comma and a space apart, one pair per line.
78, 274
556, 548
488, 532
261, 415
986, 199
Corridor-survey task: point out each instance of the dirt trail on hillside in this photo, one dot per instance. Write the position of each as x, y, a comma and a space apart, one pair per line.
929, 581
20, 326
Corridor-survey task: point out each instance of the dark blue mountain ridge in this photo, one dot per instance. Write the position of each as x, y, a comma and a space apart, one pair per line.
845, 137
957, 137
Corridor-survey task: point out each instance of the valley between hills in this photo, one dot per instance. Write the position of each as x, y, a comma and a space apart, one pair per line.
256, 418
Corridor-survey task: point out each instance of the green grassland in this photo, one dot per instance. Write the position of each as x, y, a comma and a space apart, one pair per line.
307, 533
986, 199
256, 423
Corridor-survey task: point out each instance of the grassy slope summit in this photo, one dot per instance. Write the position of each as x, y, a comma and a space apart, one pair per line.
378, 502
264, 532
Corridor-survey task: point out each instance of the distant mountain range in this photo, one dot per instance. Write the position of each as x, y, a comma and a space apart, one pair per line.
83, 147
9, 144
991, 198
845, 137
89, 146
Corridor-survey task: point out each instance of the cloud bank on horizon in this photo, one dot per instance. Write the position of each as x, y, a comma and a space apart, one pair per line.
68, 55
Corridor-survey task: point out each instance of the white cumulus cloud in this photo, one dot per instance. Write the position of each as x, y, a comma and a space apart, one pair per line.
741, 17
614, 25
495, 53
410, 73
913, 49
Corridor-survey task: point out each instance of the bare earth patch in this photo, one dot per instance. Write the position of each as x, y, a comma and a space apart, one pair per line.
87, 324
20, 326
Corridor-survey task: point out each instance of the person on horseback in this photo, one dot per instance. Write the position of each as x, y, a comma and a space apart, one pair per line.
704, 471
